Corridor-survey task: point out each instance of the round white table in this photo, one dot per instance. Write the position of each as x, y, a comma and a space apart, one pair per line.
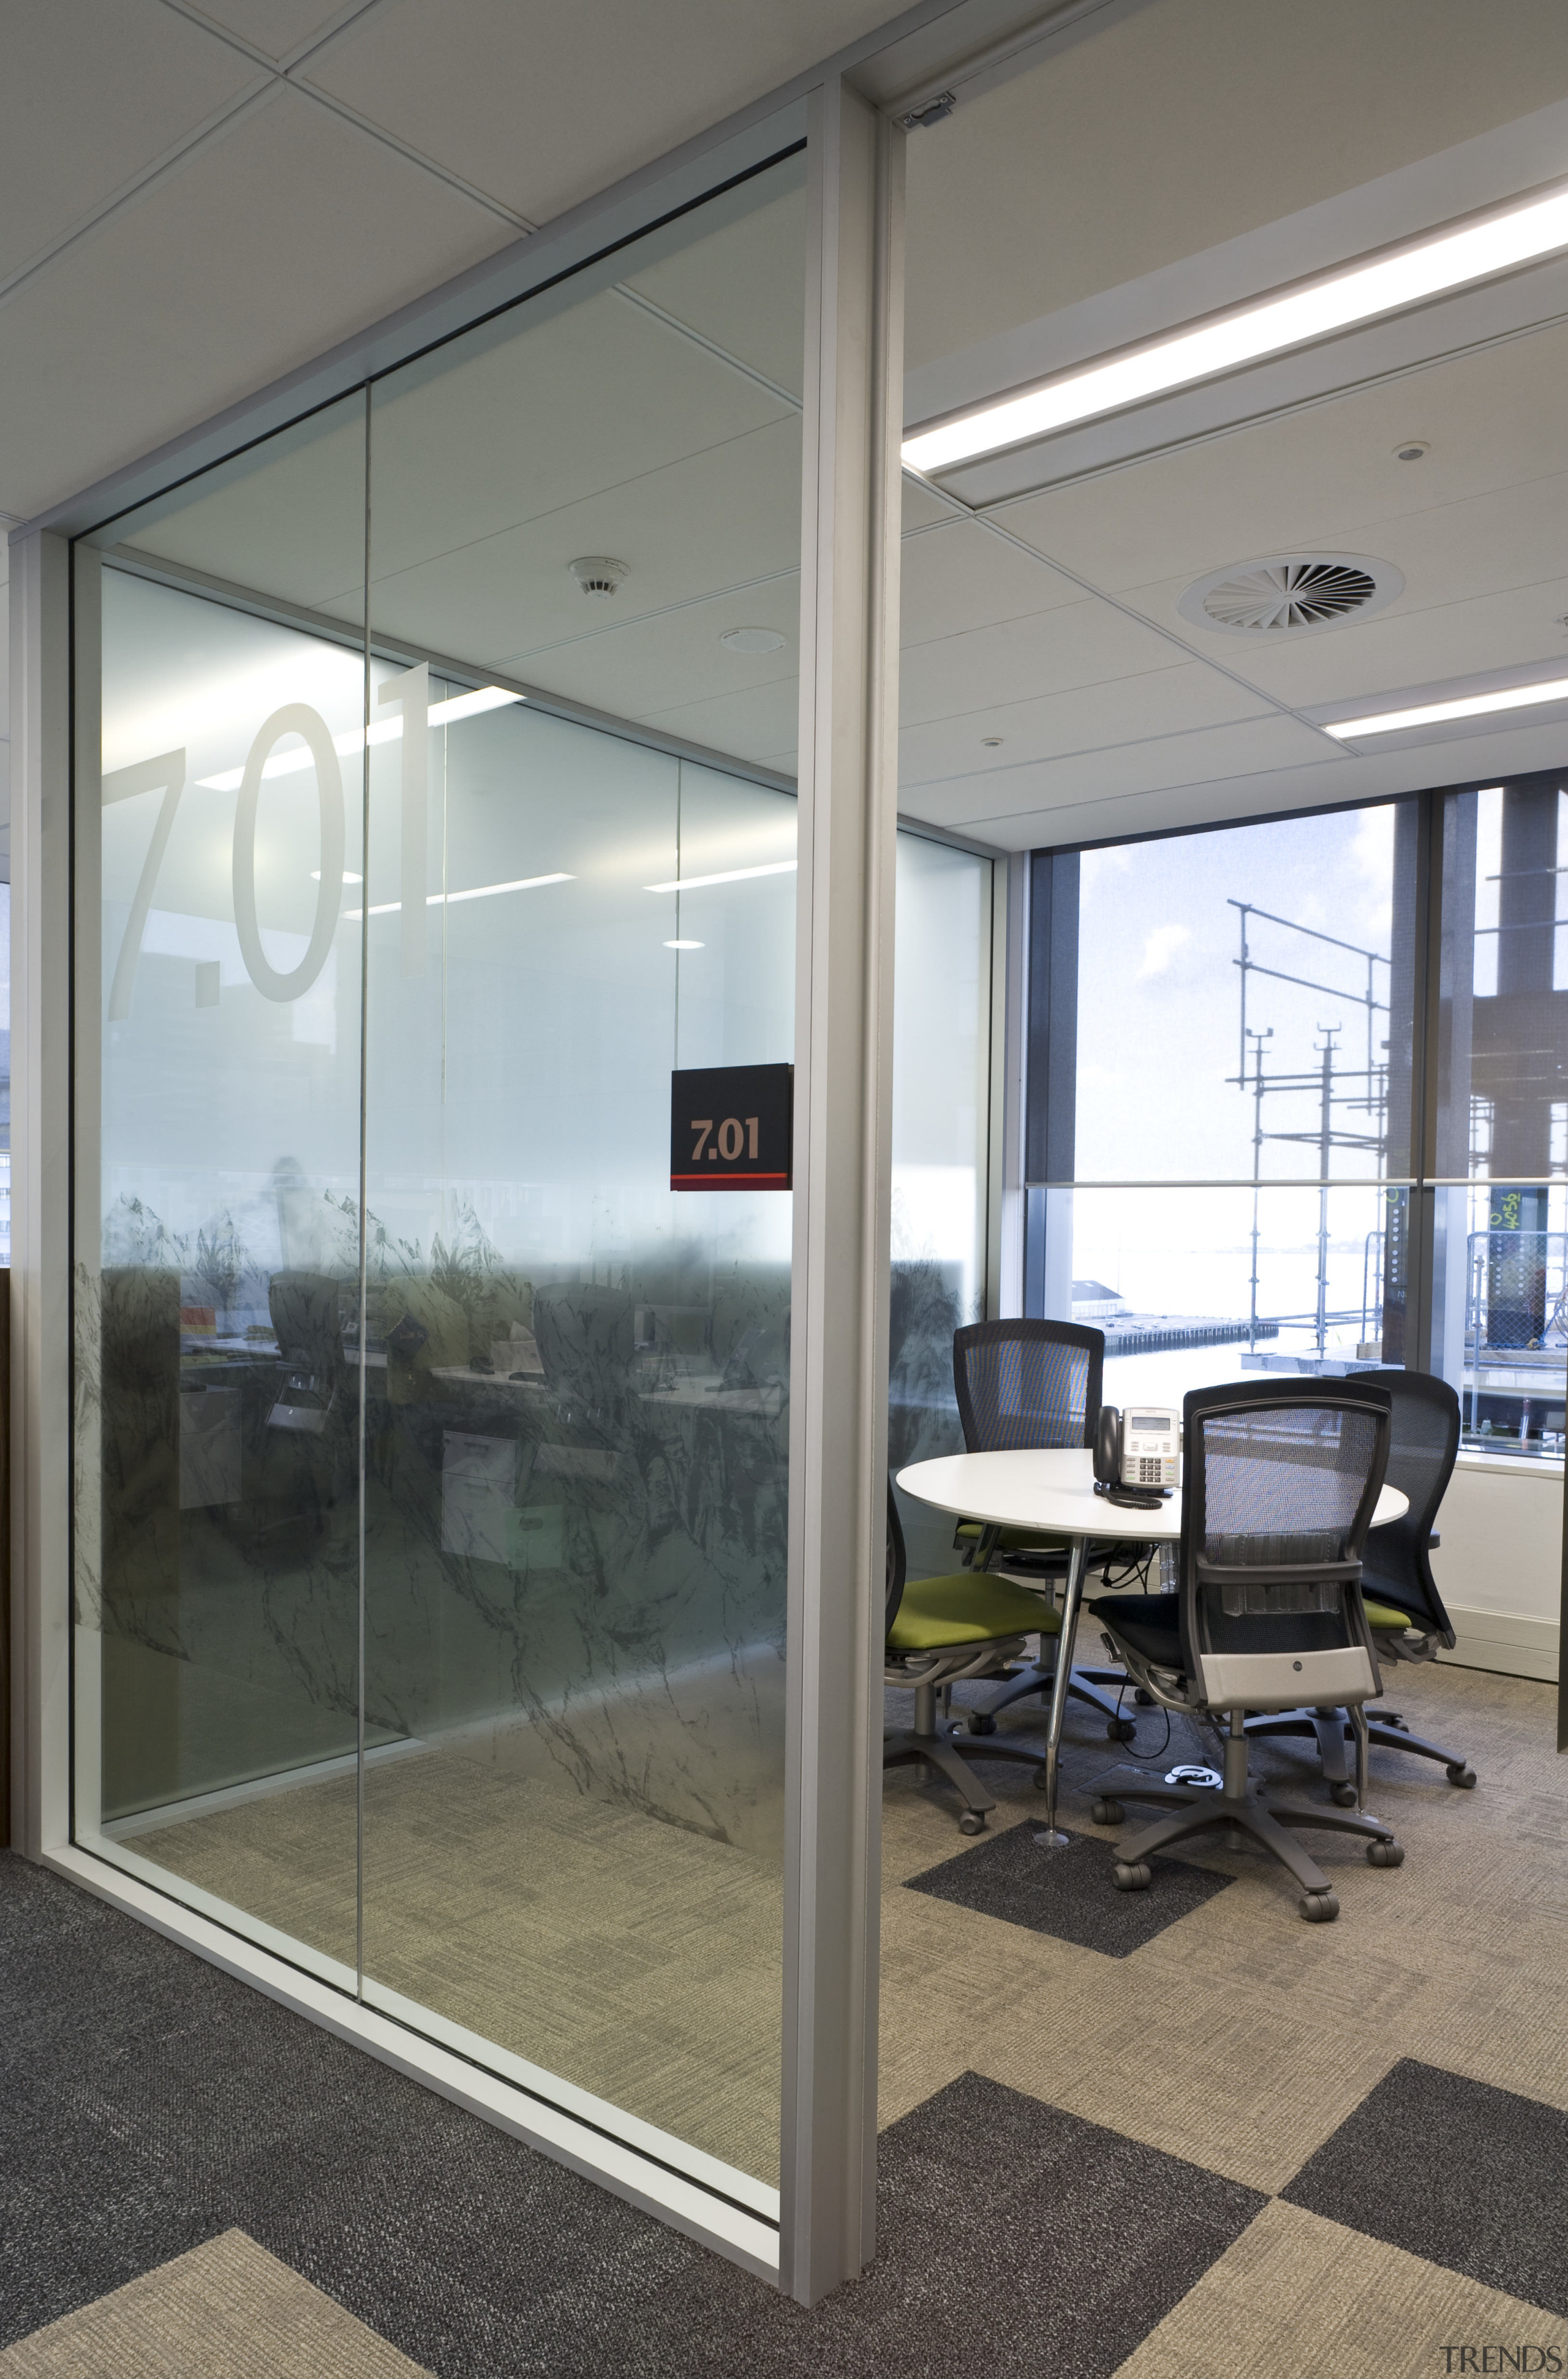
1054, 1490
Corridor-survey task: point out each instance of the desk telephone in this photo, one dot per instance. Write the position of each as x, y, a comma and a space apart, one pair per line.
1135, 1454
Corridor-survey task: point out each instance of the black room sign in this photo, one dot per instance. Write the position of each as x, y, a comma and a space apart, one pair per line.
732, 1127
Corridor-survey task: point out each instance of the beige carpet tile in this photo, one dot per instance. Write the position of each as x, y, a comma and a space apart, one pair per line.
638, 1960
227, 2309
1299, 2298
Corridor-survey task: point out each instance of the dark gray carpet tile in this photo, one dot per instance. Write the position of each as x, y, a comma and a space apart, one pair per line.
80, 2212
1067, 1893
1014, 2240
1467, 2176
157, 2102
177, 2103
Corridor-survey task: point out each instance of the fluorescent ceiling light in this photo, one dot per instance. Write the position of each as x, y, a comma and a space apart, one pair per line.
385, 731
1476, 251
683, 946
475, 892
727, 876
1433, 714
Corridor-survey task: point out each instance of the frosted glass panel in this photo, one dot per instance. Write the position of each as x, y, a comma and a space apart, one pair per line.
577, 1379
217, 1142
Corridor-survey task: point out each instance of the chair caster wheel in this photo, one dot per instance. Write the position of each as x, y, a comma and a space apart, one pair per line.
1136, 1878
1465, 1777
973, 1822
1385, 1855
1319, 1907
1120, 1730
1108, 1813
981, 1722
1344, 1794
1143, 1698
1040, 1782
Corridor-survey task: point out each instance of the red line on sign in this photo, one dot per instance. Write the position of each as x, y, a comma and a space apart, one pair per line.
730, 1181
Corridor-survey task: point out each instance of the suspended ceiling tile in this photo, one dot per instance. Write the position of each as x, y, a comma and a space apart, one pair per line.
280, 28
1401, 648
1084, 644
1115, 157
750, 724
642, 666
1209, 754
321, 230
533, 418
921, 508
710, 522
541, 108
1084, 720
110, 86
1070, 821
1315, 480
1063, 815
287, 519
743, 284
961, 577
1482, 545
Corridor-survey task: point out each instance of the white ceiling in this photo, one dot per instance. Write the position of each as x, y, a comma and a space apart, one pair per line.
1190, 152
1196, 152
196, 199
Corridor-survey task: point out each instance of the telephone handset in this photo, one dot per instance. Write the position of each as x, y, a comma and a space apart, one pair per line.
1135, 1456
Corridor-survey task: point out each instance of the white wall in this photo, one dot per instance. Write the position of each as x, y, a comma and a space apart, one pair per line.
1499, 1565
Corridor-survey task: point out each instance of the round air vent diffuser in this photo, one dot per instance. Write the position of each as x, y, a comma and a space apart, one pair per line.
1290, 594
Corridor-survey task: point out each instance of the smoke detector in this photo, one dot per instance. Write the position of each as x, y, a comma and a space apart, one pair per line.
1291, 594
598, 575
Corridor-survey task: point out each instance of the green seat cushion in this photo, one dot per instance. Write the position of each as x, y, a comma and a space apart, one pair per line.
938, 1612
1012, 1539
1384, 1617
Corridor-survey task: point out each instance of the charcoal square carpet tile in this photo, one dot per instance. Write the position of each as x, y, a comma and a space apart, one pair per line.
1069, 1892
1457, 2171
1014, 2240
150, 2103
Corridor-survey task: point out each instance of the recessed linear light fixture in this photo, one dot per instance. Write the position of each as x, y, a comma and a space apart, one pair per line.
1473, 251
348, 877
385, 731
475, 892
727, 876
683, 946
1435, 714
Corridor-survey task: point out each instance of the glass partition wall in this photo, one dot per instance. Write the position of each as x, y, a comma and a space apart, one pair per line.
432, 1454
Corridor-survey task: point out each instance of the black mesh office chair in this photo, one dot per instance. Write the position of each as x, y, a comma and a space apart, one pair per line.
939, 1629
1403, 1608
1282, 1477
1023, 1386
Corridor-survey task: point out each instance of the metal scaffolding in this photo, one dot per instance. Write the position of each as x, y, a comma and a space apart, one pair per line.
1329, 1078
